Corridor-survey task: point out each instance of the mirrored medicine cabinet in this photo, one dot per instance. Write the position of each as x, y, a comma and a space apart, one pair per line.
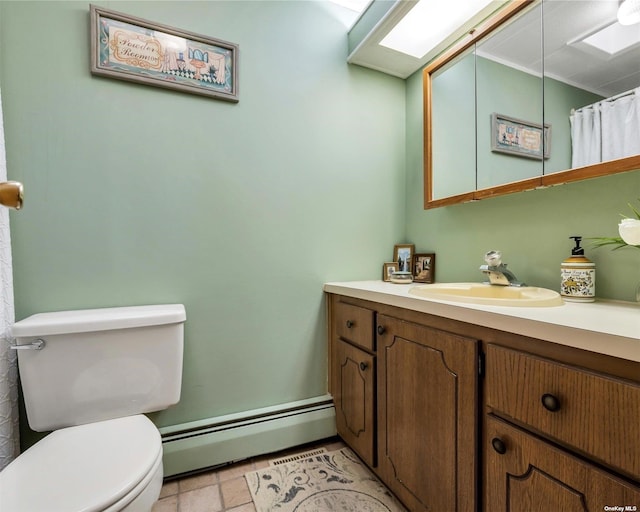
500, 104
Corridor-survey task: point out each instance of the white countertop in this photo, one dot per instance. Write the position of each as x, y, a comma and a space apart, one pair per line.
606, 327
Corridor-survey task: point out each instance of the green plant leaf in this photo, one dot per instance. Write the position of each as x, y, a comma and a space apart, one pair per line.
617, 242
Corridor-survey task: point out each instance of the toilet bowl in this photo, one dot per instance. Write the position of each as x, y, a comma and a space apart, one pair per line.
113, 465
89, 378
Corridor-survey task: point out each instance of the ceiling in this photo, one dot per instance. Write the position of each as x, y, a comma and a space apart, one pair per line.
518, 45
564, 21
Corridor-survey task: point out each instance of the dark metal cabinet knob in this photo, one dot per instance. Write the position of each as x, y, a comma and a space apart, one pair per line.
499, 446
381, 330
363, 366
550, 402
350, 324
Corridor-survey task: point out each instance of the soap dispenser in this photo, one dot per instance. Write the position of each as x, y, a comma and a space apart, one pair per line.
578, 276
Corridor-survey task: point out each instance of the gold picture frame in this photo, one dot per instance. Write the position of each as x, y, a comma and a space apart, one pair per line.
387, 269
403, 256
424, 267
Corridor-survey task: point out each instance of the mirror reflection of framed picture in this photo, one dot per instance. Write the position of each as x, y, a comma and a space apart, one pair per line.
424, 268
403, 256
387, 269
521, 138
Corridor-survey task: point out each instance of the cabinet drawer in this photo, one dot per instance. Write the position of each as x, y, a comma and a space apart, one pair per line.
594, 413
355, 324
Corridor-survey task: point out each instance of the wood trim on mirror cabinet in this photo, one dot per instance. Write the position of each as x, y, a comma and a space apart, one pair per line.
509, 188
630, 163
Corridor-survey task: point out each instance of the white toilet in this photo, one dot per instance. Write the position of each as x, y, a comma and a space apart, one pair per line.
88, 376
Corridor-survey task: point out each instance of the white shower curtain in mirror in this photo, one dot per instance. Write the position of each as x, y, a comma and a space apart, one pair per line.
9, 437
606, 130
586, 139
621, 127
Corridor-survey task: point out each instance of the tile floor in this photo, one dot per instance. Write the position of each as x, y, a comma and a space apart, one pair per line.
224, 489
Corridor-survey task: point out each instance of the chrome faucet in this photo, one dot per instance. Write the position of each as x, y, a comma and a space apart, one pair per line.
497, 271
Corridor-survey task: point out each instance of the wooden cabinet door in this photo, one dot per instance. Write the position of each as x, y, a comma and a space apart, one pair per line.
526, 474
427, 416
355, 399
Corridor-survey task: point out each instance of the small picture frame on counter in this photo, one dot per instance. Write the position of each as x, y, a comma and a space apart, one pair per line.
388, 268
424, 268
403, 256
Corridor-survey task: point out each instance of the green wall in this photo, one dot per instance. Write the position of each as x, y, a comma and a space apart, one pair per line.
531, 228
142, 195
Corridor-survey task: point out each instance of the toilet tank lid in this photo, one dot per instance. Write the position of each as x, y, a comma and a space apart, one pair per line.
103, 319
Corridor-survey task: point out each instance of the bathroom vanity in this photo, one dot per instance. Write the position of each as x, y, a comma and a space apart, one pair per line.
466, 407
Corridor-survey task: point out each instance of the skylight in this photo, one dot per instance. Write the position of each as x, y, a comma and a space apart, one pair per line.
610, 40
429, 23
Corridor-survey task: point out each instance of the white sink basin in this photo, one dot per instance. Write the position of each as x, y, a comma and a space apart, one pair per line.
479, 293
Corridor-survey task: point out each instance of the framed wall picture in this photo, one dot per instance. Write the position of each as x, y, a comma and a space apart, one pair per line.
403, 256
424, 268
129, 48
388, 268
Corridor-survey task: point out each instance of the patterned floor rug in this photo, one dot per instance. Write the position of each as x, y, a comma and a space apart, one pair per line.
334, 481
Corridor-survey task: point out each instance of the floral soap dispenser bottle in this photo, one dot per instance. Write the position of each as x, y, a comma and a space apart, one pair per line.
578, 276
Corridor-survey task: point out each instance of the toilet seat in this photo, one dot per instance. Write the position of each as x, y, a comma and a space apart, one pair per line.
87, 468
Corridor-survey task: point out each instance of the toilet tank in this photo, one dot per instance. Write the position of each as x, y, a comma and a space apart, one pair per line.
99, 364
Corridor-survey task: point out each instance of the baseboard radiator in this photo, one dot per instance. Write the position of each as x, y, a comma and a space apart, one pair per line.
193, 446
